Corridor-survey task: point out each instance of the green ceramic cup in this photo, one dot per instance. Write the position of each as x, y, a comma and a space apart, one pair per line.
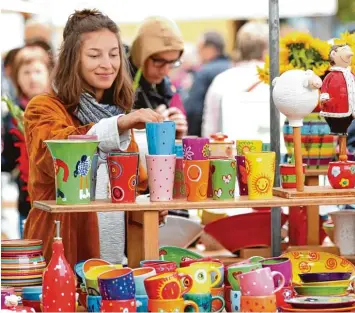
223, 178
234, 271
72, 165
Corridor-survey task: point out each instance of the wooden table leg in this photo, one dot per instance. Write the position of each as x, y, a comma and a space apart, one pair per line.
142, 237
312, 215
151, 235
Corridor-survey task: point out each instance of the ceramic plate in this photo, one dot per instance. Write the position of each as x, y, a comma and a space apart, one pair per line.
179, 231
20, 242
176, 254
323, 277
335, 283
315, 262
321, 302
347, 309
320, 290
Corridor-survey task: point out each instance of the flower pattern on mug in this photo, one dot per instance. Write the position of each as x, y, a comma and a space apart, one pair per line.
336, 171
344, 182
188, 153
352, 169
206, 150
218, 193
227, 178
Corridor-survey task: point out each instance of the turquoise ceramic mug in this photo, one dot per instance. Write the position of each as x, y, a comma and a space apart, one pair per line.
204, 301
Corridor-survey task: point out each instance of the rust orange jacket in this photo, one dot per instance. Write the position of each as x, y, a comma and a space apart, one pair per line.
47, 118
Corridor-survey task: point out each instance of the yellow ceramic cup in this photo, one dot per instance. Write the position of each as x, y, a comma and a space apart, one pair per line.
201, 274
260, 167
245, 146
91, 275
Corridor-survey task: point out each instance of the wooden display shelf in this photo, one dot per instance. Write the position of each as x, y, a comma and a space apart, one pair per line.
143, 204
143, 234
313, 191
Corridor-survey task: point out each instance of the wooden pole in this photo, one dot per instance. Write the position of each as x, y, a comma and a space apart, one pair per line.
342, 148
298, 158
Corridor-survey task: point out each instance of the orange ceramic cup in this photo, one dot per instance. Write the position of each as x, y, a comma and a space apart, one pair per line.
118, 305
196, 174
258, 304
217, 305
176, 305
166, 286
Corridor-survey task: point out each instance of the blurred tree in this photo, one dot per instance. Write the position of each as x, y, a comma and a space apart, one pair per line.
346, 10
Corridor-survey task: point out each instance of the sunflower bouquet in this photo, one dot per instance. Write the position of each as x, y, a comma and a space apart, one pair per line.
299, 51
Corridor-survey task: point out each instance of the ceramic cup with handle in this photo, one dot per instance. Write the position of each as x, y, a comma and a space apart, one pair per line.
282, 265
236, 270
204, 301
176, 305
260, 282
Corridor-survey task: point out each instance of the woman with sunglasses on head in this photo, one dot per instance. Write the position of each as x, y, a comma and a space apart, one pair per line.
92, 94
155, 50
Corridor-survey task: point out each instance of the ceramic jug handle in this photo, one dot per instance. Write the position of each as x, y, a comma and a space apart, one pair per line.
190, 303
187, 283
218, 275
218, 298
281, 285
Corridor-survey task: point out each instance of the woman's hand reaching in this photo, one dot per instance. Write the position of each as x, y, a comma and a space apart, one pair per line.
137, 119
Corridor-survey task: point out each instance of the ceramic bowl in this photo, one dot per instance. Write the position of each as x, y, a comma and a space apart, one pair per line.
321, 302
335, 283
326, 276
176, 254
321, 290
311, 262
254, 229
179, 231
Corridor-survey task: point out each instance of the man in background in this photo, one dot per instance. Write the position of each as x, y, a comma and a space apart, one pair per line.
214, 61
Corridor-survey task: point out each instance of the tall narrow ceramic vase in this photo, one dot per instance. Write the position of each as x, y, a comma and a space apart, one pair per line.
72, 164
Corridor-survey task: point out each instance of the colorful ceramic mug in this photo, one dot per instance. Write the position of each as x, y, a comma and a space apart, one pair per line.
93, 303
202, 277
196, 148
216, 305
245, 146
285, 293
123, 173
72, 166
223, 179
117, 284
288, 175
242, 175
161, 173
176, 305
260, 167
258, 304
260, 282
167, 286
161, 137
119, 305
142, 303
213, 265
204, 301
140, 274
93, 273
235, 270
282, 265
179, 191
160, 266
196, 175
235, 297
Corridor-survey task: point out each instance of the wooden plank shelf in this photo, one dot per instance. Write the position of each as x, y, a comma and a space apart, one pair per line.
143, 204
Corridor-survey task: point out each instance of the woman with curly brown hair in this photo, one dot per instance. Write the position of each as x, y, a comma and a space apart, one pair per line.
92, 94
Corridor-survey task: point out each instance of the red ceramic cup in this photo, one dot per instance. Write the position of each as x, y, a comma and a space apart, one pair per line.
118, 305
167, 286
123, 173
161, 266
283, 294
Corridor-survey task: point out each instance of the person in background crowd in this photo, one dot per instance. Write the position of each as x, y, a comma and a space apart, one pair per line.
155, 50
252, 46
214, 61
92, 94
31, 78
37, 31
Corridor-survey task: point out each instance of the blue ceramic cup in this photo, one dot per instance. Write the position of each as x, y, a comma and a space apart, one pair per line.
203, 301
93, 303
235, 300
117, 284
142, 303
161, 138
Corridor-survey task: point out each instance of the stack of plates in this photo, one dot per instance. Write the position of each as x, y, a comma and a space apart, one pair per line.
321, 304
22, 263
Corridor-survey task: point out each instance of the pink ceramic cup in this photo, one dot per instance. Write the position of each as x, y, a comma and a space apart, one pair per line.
260, 282
161, 173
